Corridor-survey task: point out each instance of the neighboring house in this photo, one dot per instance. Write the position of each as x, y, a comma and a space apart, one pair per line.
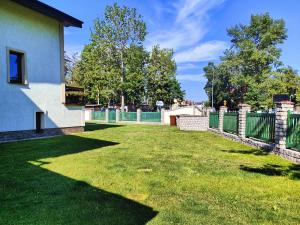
32, 84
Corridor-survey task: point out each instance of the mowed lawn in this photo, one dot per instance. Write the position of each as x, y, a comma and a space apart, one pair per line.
134, 174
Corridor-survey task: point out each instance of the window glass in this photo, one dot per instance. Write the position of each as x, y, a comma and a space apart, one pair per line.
15, 64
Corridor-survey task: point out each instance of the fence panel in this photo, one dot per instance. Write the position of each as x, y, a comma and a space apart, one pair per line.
98, 115
214, 120
150, 117
261, 126
231, 122
128, 116
293, 131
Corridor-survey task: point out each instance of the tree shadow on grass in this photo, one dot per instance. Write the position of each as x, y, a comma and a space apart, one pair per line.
292, 171
30, 194
257, 152
96, 126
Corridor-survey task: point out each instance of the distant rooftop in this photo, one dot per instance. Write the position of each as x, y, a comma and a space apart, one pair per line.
49, 11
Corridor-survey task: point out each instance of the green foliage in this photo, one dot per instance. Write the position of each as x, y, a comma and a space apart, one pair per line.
250, 70
135, 80
161, 77
115, 63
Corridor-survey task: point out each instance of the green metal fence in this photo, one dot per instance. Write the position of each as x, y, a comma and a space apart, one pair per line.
128, 116
112, 116
98, 115
231, 122
261, 126
150, 117
293, 131
214, 120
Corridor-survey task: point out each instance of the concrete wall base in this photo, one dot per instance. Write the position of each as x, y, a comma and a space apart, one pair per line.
289, 154
192, 123
31, 134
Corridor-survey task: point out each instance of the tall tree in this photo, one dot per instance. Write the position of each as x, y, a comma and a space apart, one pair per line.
161, 77
218, 85
121, 28
135, 80
252, 65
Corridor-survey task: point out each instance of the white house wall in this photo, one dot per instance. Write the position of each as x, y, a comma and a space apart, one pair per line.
188, 110
39, 37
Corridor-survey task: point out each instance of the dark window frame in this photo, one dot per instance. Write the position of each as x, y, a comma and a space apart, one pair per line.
21, 67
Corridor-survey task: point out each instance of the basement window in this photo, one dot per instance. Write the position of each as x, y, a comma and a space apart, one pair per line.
16, 67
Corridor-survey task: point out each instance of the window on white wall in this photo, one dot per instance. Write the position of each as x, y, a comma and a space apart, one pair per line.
16, 67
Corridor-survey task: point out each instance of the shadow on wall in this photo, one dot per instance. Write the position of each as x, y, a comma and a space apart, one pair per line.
292, 171
24, 101
30, 194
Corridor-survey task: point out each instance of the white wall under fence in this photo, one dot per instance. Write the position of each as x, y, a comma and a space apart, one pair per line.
188, 110
88, 114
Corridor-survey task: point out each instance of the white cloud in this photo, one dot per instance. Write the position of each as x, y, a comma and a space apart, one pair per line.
72, 49
189, 26
204, 52
195, 77
186, 66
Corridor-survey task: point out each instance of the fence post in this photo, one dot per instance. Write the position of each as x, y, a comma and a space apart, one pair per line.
243, 109
117, 115
106, 115
281, 125
222, 110
162, 116
138, 115
194, 110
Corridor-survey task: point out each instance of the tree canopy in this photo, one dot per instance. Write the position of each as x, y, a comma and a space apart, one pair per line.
251, 71
115, 67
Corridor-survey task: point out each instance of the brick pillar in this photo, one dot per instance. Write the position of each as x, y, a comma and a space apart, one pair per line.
117, 115
282, 109
222, 110
106, 115
243, 109
162, 116
138, 115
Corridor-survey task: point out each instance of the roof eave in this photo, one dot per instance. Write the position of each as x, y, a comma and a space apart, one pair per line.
49, 11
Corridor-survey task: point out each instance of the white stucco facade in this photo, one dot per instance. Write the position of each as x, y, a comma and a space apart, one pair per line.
41, 38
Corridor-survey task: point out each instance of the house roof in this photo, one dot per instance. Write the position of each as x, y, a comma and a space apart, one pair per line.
49, 11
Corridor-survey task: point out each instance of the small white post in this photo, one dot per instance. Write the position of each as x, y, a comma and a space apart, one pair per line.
138, 115
117, 115
162, 116
106, 115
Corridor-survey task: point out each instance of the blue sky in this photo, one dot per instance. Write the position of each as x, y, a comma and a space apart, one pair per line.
195, 29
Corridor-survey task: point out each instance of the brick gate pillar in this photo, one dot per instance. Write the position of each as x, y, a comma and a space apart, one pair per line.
243, 109
282, 109
222, 110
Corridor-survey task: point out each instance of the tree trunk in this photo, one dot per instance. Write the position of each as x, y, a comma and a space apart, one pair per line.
122, 81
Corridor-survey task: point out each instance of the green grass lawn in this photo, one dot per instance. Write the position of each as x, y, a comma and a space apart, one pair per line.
136, 174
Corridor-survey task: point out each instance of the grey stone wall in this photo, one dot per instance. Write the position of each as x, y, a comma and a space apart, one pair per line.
192, 123
31, 134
